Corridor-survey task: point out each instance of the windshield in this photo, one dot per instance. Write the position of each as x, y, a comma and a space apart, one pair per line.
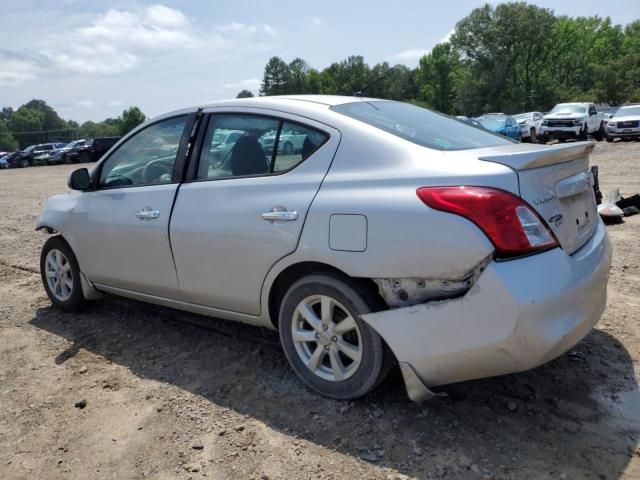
569, 108
420, 126
492, 122
523, 116
627, 111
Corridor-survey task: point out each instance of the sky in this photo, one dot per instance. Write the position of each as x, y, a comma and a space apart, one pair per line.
92, 59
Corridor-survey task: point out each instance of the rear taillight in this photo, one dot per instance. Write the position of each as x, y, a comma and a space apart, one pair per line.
511, 225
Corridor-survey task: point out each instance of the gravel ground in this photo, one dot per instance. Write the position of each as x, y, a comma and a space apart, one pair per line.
165, 394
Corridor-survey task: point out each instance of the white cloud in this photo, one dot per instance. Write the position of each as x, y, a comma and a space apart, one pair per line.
153, 27
248, 84
412, 55
317, 21
447, 37
101, 59
17, 70
115, 103
85, 104
116, 41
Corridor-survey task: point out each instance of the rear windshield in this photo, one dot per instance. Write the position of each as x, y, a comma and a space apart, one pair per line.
421, 126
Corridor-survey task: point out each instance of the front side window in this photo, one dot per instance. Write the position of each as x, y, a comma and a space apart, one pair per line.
146, 158
420, 126
239, 145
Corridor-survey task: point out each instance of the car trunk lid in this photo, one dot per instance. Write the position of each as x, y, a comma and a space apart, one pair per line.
557, 183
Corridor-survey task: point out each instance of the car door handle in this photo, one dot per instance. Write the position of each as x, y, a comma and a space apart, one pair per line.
147, 214
280, 215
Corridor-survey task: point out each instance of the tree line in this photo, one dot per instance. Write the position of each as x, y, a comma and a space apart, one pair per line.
36, 122
512, 57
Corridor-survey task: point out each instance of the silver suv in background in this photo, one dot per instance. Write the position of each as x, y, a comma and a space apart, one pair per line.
572, 121
625, 123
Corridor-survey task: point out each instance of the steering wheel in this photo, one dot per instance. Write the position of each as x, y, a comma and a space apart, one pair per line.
157, 171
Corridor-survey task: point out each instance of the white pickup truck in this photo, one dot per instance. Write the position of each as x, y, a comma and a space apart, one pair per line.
572, 121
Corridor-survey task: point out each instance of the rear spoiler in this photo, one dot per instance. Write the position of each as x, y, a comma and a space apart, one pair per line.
533, 156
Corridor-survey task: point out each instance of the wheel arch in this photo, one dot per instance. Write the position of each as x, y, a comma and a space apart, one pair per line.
292, 273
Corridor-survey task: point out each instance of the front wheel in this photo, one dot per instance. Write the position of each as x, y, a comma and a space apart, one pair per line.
61, 275
583, 134
25, 162
326, 342
532, 135
599, 135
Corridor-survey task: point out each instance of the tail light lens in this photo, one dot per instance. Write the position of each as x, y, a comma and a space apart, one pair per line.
509, 222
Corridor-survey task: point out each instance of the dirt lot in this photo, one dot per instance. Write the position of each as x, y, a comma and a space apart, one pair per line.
170, 399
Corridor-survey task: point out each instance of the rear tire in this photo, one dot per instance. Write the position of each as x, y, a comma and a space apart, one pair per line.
532, 135
61, 275
25, 162
84, 157
334, 351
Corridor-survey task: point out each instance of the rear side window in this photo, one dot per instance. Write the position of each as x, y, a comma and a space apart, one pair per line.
421, 126
295, 144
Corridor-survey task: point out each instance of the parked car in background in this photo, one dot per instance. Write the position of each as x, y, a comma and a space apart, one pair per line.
396, 235
35, 155
3, 159
60, 156
500, 123
10, 159
529, 125
289, 142
470, 121
625, 123
572, 121
89, 150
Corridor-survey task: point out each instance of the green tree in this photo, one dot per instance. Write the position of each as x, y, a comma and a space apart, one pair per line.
437, 75
100, 129
298, 70
8, 143
130, 119
276, 77
244, 94
505, 48
26, 126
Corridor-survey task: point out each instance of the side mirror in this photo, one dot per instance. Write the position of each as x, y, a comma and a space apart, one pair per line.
79, 180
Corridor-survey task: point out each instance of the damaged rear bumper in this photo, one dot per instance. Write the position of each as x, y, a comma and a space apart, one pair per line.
518, 314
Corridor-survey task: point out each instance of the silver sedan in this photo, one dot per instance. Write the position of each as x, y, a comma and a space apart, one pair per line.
393, 235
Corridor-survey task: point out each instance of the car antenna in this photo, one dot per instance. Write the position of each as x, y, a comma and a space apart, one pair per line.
360, 92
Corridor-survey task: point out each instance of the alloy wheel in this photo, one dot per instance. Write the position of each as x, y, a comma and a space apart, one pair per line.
58, 274
327, 338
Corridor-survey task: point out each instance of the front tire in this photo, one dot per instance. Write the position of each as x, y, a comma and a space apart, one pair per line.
583, 134
599, 135
61, 275
328, 345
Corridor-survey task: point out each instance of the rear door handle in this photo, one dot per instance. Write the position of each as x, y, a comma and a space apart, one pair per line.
147, 214
280, 215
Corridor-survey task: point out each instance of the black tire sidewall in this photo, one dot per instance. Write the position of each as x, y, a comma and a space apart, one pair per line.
76, 301
373, 356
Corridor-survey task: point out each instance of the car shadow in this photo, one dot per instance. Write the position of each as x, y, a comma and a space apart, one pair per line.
566, 417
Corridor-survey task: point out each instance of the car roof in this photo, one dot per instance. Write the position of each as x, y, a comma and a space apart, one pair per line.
296, 104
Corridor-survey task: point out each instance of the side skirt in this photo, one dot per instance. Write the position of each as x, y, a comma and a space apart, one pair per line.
188, 307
